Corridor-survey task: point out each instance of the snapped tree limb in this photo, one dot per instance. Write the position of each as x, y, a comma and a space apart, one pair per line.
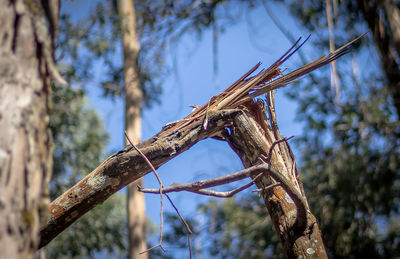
251, 136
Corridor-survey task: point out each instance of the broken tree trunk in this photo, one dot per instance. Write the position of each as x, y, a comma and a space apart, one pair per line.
258, 140
235, 117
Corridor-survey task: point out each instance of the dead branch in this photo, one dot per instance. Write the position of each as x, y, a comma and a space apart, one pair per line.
124, 167
208, 183
273, 146
266, 187
193, 187
288, 208
198, 187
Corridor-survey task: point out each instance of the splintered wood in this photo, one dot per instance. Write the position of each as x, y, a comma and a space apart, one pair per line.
246, 87
253, 134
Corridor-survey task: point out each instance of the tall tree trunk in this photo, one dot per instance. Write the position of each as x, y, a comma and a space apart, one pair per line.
26, 32
375, 13
392, 14
133, 106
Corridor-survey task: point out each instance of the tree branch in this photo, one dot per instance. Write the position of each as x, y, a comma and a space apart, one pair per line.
161, 195
209, 182
124, 167
257, 170
192, 187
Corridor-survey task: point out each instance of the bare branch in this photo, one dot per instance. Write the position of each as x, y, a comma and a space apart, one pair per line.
192, 188
185, 223
267, 187
274, 144
127, 165
298, 199
226, 194
198, 187
248, 172
162, 207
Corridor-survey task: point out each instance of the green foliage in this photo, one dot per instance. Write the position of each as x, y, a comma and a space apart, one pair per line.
231, 228
240, 233
79, 144
79, 138
350, 150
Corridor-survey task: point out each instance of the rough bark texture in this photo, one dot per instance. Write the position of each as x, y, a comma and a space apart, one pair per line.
252, 139
25, 140
124, 167
384, 37
136, 211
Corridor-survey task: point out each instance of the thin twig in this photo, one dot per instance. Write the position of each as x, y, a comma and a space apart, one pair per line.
299, 201
294, 169
160, 191
199, 185
225, 194
184, 222
180, 216
274, 144
267, 187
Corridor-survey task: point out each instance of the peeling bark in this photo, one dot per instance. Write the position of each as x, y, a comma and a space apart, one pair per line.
25, 140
